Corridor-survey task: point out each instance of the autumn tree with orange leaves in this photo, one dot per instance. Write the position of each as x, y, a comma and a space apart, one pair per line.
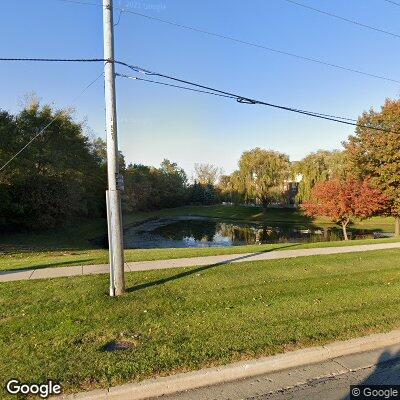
375, 153
344, 200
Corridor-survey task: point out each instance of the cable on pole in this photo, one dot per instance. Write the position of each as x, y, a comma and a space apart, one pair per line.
205, 89
247, 100
171, 85
54, 59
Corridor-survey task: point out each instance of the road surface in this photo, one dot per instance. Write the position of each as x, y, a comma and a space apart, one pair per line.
329, 380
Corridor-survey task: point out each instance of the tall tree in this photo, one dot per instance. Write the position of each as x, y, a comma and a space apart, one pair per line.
148, 188
262, 175
139, 188
207, 174
318, 167
343, 200
57, 177
375, 154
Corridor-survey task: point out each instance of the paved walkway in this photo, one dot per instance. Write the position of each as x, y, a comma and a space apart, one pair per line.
44, 273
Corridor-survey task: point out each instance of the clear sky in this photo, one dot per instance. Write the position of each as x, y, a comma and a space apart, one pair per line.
157, 122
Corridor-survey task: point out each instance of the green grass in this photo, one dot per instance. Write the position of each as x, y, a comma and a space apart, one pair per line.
185, 319
77, 244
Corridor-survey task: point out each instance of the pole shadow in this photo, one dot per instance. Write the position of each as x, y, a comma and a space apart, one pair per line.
197, 270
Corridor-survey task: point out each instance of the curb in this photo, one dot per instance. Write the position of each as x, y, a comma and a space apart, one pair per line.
244, 369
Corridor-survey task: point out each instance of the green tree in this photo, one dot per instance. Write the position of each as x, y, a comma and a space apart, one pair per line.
262, 175
375, 154
148, 188
317, 167
57, 177
171, 184
139, 188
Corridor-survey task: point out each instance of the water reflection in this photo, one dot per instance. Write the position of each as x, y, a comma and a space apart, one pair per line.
189, 232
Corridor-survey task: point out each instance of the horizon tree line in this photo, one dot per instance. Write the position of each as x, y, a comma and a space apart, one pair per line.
62, 175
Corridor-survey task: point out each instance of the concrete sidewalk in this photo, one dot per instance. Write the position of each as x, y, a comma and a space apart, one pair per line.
45, 273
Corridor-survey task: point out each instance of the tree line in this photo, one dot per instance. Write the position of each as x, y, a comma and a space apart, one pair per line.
62, 174
359, 181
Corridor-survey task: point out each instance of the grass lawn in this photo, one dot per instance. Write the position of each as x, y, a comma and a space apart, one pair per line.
179, 320
74, 245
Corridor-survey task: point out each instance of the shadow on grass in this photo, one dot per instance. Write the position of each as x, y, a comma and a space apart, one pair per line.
198, 269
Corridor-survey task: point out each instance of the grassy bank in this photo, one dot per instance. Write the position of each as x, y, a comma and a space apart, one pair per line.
79, 244
178, 320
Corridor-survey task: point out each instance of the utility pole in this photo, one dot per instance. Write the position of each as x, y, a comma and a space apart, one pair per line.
114, 217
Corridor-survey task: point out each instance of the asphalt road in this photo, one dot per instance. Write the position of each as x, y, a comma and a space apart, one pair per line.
329, 380
338, 387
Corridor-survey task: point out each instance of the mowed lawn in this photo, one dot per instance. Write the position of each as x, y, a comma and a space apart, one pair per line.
80, 243
185, 319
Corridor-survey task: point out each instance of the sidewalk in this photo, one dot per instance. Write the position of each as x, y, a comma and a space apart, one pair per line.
246, 379
45, 273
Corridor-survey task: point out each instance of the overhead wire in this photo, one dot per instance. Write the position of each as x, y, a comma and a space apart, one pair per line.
171, 85
203, 89
246, 43
351, 21
393, 2
243, 99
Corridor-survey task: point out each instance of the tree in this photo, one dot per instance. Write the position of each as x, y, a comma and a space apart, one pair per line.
375, 154
99, 148
172, 184
262, 175
148, 188
139, 188
343, 200
318, 167
57, 177
207, 174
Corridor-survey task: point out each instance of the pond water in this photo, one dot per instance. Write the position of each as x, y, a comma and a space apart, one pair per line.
202, 232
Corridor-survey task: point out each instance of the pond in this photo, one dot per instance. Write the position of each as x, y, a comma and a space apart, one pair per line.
203, 232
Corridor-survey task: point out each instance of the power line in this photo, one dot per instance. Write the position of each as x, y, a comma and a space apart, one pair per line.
392, 2
246, 43
203, 89
54, 59
247, 100
48, 125
174, 86
351, 21
82, 2
234, 97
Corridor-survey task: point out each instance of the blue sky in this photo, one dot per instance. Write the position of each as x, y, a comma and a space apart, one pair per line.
157, 122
